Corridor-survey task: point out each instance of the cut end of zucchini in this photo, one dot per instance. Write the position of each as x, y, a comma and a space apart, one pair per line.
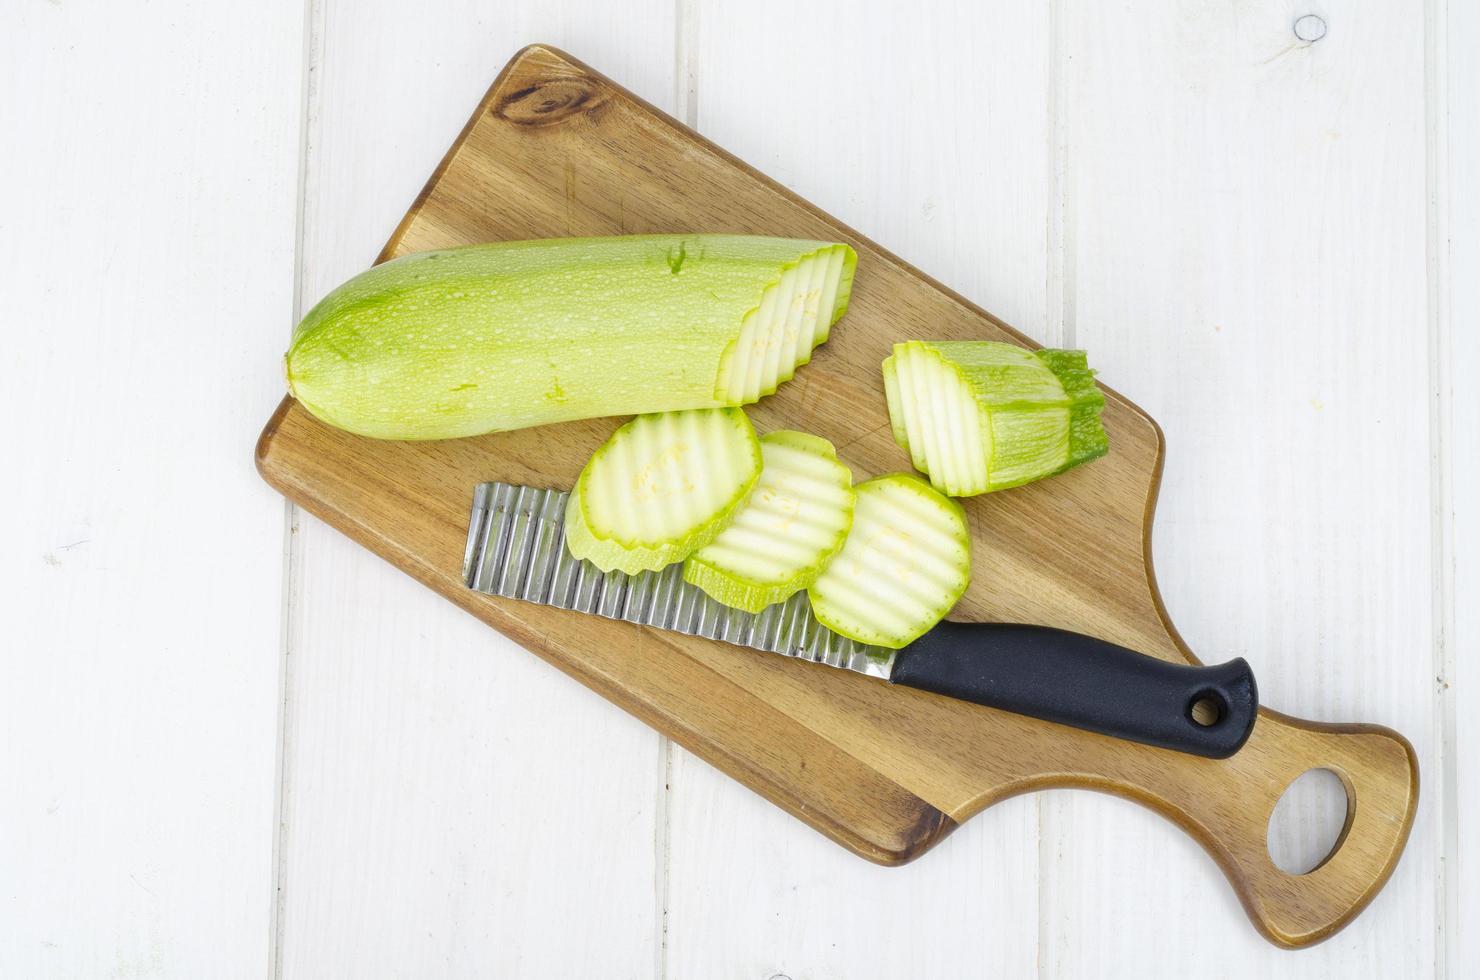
979, 416
891, 399
905, 563
794, 317
794, 522
1087, 438
661, 487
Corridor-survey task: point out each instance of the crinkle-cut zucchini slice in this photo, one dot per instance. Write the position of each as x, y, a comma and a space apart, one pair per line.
793, 318
662, 487
783, 537
905, 563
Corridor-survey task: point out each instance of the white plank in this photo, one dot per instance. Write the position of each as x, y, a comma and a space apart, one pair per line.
1247, 225
452, 806
149, 162
893, 118
1456, 243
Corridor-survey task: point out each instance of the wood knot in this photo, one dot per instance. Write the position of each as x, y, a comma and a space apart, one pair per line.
550, 102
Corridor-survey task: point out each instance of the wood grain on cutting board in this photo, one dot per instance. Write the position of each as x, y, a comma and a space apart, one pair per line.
556, 149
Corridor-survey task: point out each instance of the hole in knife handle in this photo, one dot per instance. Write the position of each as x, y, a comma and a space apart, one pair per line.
1207, 709
1309, 821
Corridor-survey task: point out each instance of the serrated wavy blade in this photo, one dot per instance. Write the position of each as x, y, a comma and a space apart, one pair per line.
516, 549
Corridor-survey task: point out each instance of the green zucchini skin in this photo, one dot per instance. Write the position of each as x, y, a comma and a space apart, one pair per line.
1087, 438
487, 338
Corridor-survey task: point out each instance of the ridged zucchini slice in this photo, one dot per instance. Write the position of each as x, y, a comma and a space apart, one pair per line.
790, 528
979, 416
662, 487
793, 319
502, 336
905, 562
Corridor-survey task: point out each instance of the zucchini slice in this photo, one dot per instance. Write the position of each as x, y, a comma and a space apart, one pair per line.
790, 528
661, 487
906, 561
979, 416
486, 338
794, 318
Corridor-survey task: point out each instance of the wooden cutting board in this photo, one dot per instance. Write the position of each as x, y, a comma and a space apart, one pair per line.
556, 149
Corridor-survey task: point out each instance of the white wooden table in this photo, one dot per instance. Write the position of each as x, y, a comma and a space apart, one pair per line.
232, 744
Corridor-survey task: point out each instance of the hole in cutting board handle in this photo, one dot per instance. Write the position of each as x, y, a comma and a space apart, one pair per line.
1207, 709
1309, 822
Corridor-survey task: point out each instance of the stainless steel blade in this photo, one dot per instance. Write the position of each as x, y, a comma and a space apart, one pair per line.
516, 548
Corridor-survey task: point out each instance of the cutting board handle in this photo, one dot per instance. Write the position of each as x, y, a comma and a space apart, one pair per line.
1227, 806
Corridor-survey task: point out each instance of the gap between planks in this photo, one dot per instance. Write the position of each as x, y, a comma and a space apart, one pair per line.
1441, 475
1059, 327
312, 52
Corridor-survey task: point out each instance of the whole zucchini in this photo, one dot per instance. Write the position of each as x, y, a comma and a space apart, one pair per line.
486, 338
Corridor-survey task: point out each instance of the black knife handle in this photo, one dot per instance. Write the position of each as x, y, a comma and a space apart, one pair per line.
1087, 683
